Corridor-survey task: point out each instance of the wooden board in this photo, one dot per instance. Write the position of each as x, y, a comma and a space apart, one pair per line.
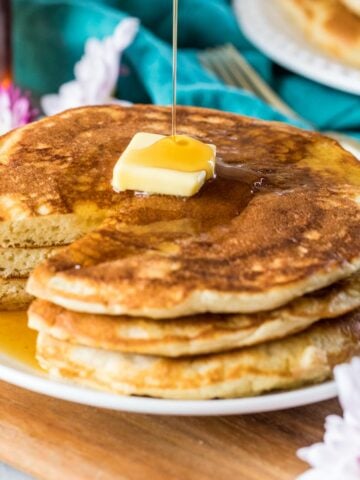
57, 440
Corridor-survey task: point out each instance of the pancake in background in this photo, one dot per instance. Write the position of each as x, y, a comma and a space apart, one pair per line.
260, 234
302, 359
195, 334
329, 24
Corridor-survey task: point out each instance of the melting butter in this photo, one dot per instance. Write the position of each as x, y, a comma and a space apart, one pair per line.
176, 153
175, 165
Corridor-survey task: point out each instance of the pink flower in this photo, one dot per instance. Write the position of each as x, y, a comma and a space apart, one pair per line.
16, 109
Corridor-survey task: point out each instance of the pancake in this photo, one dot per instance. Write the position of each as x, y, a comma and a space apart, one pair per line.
330, 25
302, 359
281, 219
19, 262
195, 334
55, 176
353, 5
13, 295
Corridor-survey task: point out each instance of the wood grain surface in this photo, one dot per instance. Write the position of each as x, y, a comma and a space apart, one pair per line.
57, 440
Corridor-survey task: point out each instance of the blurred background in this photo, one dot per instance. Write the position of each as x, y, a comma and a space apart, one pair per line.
316, 83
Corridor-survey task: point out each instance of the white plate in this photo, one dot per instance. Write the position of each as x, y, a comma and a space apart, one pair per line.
267, 26
18, 374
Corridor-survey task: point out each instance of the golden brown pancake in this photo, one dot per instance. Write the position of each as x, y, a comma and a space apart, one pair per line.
13, 295
281, 219
302, 359
197, 334
15, 267
329, 24
55, 176
19, 262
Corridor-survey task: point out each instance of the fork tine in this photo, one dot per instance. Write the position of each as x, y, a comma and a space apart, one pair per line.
213, 66
228, 64
212, 60
260, 87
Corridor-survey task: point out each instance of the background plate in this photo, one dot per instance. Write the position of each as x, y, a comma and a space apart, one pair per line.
268, 27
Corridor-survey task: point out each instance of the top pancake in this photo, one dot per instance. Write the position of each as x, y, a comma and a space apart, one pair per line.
282, 218
330, 24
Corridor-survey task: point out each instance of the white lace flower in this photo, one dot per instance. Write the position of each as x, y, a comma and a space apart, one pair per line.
338, 457
97, 72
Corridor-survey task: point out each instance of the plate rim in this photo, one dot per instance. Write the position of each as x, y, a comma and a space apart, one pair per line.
15, 373
303, 57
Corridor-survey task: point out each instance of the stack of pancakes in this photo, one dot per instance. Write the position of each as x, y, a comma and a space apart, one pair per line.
47, 197
251, 285
332, 25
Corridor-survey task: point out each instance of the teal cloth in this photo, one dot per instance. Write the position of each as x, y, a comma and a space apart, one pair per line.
49, 38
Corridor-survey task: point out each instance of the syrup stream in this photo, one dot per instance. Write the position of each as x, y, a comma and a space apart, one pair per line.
174, 68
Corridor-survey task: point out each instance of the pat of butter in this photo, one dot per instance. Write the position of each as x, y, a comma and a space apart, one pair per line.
170, 178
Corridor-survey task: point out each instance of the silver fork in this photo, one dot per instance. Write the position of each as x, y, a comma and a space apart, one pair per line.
229, 65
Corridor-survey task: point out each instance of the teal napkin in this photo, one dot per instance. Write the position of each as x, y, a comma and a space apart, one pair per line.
49, 38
